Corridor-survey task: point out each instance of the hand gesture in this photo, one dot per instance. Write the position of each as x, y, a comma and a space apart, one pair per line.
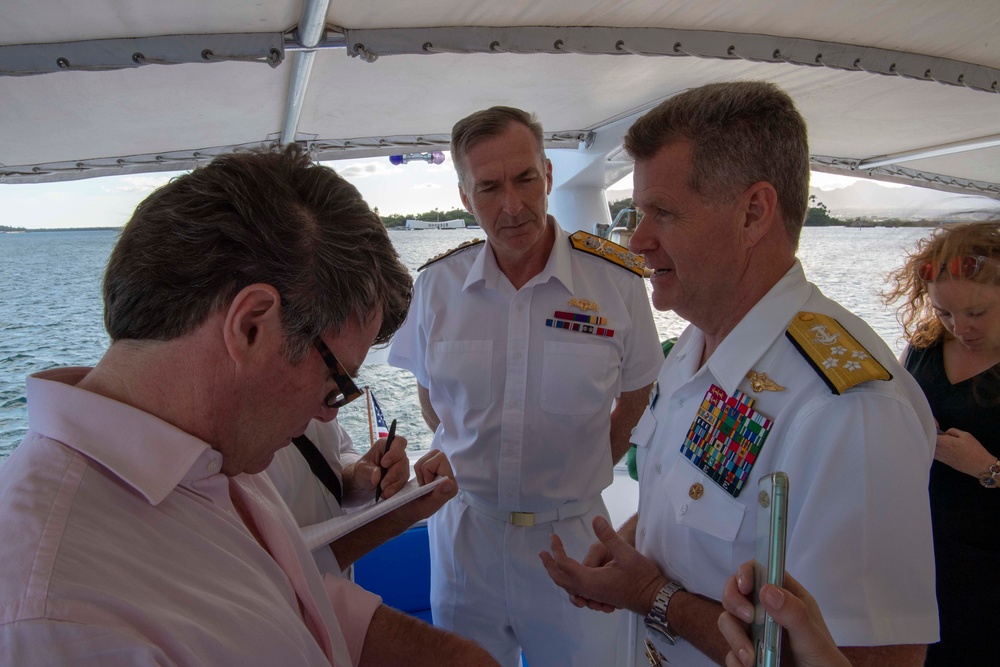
613, 575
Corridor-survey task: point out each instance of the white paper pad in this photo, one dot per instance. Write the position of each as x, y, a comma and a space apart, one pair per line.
320, 534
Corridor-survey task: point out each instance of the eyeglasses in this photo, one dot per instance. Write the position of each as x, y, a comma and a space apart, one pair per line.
346, 390
963, 267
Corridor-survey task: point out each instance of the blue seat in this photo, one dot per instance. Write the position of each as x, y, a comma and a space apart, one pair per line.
399, 571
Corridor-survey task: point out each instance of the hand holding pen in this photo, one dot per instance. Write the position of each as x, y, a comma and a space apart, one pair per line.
384, 469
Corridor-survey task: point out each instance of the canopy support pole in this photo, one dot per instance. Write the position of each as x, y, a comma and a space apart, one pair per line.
311, 31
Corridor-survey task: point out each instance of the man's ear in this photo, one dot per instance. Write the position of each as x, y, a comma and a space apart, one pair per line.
548, 176
464, 198
253, 323
760, 212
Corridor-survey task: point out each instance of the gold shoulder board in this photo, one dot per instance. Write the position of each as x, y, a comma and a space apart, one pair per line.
839, 359
608, 250
458, 248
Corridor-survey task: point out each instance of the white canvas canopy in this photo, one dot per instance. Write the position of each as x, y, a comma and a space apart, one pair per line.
896, 90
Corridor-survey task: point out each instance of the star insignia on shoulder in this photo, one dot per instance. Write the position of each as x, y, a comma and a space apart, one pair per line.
447, 253
605, 249
839, 359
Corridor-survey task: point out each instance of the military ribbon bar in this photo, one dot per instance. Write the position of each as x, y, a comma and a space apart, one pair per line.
725, 438
581, 327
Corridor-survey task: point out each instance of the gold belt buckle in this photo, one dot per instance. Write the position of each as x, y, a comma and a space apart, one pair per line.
526, 519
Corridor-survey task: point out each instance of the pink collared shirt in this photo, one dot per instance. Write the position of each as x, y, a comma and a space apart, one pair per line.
307, 498
121, 545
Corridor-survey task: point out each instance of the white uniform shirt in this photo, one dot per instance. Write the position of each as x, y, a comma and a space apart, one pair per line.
308, 499
858, 532
524, 407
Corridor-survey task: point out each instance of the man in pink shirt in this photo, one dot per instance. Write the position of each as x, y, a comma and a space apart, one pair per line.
240, 299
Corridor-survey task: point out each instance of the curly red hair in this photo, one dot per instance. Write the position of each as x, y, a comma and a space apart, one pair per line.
921, 326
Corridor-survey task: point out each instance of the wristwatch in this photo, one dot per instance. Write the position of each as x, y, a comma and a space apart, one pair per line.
656, 619
989, 478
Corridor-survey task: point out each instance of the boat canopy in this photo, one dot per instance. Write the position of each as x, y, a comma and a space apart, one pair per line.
893, 90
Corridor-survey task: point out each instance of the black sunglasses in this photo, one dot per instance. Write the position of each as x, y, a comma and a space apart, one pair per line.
346, 390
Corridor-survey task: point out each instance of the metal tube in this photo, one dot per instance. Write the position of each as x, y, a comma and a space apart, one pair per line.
931, 151
312, 26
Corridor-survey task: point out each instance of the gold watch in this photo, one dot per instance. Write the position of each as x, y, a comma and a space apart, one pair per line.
989, 478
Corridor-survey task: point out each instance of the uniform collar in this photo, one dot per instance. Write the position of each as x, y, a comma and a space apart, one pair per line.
485, 268
759, 328
145, 452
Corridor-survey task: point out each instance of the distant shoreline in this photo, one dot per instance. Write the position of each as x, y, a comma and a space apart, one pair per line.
836, 222
22, 230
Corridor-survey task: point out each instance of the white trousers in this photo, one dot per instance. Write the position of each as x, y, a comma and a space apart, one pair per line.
488, 584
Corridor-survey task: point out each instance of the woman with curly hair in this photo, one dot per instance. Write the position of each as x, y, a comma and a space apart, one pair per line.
950, 312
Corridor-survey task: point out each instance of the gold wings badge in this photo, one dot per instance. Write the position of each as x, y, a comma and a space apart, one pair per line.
760, 382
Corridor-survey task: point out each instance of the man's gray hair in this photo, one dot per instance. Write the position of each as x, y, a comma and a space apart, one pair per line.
742, 133
487, 124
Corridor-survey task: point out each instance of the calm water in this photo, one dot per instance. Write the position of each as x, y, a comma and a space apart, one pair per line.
50, 310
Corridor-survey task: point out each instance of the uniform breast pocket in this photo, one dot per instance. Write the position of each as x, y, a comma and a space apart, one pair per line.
709, 517
461, 372
577, 378
642, 436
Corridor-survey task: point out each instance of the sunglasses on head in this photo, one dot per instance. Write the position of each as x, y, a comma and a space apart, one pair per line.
963, 267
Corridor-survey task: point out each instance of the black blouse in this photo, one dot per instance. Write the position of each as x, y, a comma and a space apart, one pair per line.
962, 509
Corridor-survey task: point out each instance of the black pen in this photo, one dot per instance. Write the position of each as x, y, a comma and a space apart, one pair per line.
388, 444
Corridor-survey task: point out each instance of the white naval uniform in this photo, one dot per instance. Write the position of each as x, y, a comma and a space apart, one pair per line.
525, 421
858, 531
308, 499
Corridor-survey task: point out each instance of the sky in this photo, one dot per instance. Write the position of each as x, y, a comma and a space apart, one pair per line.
415, 187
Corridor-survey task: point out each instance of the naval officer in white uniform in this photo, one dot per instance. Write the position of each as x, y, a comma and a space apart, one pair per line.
521, 346
770, 375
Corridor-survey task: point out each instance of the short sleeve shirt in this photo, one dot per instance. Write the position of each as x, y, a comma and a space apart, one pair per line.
858, 531
525, 407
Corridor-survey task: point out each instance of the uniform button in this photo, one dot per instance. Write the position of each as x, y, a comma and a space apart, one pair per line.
684, 508
642, 533
520, 306
696, 491
681, 402
513, 404
517, 355
213, 465
659, 468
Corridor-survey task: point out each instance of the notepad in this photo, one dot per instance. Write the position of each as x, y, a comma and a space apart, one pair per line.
325, 532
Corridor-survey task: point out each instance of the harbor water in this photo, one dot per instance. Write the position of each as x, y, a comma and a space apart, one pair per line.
51, 313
